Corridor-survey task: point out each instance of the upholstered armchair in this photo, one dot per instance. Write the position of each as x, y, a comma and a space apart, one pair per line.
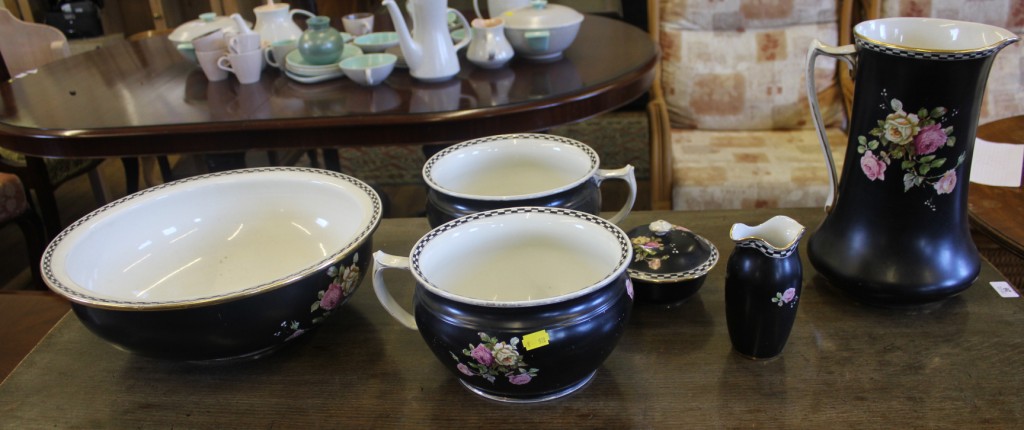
733, 80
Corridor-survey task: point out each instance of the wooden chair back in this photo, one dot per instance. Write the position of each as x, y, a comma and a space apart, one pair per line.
26, 46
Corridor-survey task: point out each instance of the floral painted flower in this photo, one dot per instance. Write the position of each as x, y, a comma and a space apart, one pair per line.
900, 127
946, 183
520, 379
873, 167
493, 358
930, 139
911, 141
786, 297
482, 355
505, 354
654, 264
331, 297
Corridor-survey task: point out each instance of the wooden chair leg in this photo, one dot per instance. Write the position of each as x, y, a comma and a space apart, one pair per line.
165, 168
332, 161
40, 181
32, 228
131, 174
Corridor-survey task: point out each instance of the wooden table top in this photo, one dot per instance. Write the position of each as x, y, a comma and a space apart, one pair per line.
143, 98
951, 364
997, 210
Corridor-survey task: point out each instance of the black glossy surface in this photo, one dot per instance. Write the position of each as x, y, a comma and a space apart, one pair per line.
759, 321
881, 244
582, 331
244, 328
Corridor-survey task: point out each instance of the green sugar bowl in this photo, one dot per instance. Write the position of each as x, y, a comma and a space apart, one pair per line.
320, 44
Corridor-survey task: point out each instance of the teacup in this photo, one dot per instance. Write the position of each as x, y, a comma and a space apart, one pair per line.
208, 62
368, 69
212, 41
246, 66
518, 170
521, 304
376, 42
244, 42
278, 51
358, 24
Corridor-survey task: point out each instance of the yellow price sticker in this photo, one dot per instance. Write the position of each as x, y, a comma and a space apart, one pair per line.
535, 340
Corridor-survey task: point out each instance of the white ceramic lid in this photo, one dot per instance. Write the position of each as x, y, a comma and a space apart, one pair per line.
541, 15
206, 23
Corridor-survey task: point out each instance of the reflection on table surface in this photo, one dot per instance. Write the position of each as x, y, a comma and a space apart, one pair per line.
146, 88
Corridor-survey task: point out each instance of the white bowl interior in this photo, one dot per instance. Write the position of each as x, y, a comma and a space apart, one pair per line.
514, 166
210, 237
516, 257
932, 34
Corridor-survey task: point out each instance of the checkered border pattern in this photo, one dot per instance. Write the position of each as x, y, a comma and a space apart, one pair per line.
428, 168
693, 273
625, 246
766, 249
376, 213
924, 55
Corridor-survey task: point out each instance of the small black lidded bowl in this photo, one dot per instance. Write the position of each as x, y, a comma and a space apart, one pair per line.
670, 262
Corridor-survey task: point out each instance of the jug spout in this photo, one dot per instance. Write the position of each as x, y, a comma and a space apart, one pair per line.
411, 51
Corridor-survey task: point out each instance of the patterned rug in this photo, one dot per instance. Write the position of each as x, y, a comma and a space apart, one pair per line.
619, 138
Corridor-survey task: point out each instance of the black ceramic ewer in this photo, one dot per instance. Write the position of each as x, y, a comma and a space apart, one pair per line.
897, 231
763, 284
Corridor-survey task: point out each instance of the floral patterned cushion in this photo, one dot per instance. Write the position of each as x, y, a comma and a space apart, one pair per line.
1004, 95
12, 197
751, 169
741, 65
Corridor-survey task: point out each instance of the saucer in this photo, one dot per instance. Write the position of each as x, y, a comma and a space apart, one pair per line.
298, 65
313, 79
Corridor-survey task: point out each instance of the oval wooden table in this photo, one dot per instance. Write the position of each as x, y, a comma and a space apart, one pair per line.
143, 98
996, 211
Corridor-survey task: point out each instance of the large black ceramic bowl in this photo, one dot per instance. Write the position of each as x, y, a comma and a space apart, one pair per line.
517, 170
521, 304
220, 266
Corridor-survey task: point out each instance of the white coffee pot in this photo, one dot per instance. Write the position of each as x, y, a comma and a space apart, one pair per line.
428, 51
274, 22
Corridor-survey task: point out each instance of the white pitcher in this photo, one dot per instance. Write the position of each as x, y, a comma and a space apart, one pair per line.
430, 53
274, 22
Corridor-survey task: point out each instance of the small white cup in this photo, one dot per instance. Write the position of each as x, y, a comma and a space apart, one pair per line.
212, 41
244, 42
368, 69
358, 24
208, 62
278, 51
246, 66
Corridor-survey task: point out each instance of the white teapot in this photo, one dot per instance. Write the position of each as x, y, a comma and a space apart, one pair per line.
274, 22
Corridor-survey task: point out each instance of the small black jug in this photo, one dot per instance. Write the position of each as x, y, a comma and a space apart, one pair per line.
763, 283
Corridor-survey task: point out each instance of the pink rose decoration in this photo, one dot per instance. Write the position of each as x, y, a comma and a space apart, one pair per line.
654, 264
929, 139
482, 355
331, 297
947, 183
464, 369
788, 295
520, 379
873, 167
